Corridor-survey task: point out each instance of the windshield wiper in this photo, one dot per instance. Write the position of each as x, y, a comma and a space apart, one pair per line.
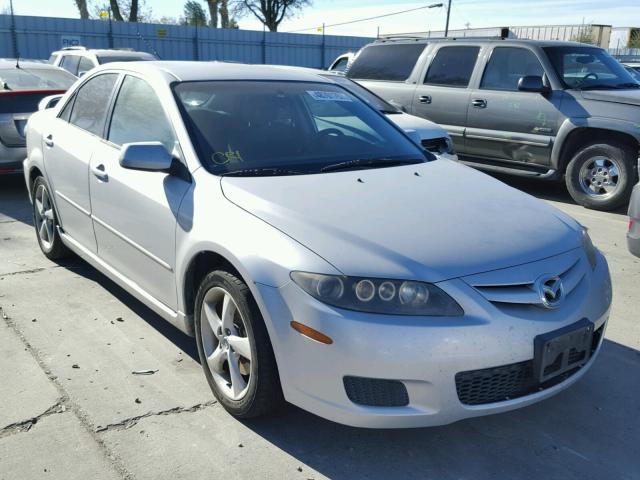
362, 163
628, 85
260, 172
597, 86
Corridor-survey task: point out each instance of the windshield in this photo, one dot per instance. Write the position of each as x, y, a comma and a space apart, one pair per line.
588, 67
303, 127
36, 78
364, 94
102, 59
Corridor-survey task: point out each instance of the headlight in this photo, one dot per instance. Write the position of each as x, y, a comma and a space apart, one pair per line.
378, 295
449, 149
589, 249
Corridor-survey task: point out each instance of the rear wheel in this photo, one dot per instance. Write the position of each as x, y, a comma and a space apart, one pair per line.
234, 347
46, 222
601, 176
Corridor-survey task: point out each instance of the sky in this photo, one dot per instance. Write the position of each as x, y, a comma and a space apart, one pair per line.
464, 13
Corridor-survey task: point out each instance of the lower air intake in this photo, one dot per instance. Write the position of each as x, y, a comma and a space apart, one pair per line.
375, 392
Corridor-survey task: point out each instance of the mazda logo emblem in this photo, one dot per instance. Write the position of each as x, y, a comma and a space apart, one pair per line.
550, 290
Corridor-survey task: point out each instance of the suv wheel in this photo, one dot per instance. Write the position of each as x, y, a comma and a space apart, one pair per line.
234, 347
45, 221
601, 176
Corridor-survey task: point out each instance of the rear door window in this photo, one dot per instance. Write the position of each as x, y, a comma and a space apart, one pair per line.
507, 65
393, 62
452, 66
70, 63
92, 102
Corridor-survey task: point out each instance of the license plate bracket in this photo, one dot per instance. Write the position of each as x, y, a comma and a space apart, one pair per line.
562, 350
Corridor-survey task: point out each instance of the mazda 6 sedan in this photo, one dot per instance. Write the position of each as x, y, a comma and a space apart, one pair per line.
316, 253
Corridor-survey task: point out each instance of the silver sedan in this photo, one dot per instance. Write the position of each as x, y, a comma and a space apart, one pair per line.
317, 254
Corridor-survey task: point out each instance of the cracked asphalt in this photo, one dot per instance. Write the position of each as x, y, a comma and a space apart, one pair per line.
71, 406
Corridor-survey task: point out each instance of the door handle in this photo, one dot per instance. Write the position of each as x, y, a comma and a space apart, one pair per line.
424, 99
49, 140
479, 103
100, 172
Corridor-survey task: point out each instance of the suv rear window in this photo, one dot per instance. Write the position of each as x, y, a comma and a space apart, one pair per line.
393, 62
452, 66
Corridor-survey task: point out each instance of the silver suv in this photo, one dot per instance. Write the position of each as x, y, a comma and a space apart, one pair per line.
79, 60
537, 108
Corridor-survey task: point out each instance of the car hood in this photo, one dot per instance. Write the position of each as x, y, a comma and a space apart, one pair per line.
431, 221
629, 97
417, 127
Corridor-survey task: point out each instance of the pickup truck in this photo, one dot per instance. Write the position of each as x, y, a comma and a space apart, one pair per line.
547, 109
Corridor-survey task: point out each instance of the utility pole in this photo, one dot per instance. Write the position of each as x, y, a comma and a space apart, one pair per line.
14, 34
446, 27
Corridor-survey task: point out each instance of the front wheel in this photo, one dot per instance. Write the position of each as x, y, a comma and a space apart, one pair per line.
234, 347
46, 222
601, 176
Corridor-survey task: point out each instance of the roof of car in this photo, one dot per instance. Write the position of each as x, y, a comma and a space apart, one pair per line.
194, 71
511, 41
103, 52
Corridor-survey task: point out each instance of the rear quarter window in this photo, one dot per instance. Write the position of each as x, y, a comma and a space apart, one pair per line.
393, 62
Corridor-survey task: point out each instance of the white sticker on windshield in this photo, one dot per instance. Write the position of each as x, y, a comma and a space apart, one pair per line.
328, 96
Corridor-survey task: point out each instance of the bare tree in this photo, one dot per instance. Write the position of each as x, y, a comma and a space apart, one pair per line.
224, 13
213, 12
115, 11
82, 8
133, 11
269, 12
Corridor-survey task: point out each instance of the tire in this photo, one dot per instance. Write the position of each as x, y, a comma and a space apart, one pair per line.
261, 392
45, 221
601, 176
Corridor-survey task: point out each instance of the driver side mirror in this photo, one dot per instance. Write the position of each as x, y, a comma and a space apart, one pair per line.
532, 83
146, 156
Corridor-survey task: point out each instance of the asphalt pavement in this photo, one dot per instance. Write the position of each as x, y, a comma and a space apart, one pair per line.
74, 404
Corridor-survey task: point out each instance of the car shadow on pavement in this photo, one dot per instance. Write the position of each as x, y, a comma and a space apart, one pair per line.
181, 340
591, 430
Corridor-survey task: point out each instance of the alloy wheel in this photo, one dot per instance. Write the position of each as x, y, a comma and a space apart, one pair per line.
225, 343
44, 218
599, 177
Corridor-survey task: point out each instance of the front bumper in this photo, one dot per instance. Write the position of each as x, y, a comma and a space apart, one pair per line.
424, 353
633, 235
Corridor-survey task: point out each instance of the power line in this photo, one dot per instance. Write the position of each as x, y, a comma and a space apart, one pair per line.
433, 5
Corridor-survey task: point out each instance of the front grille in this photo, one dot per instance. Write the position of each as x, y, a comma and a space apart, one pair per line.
497, 384
525, 293
376, 392
435, 145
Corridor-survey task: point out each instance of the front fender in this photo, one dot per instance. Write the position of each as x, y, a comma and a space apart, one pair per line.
208, 222
602, 123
